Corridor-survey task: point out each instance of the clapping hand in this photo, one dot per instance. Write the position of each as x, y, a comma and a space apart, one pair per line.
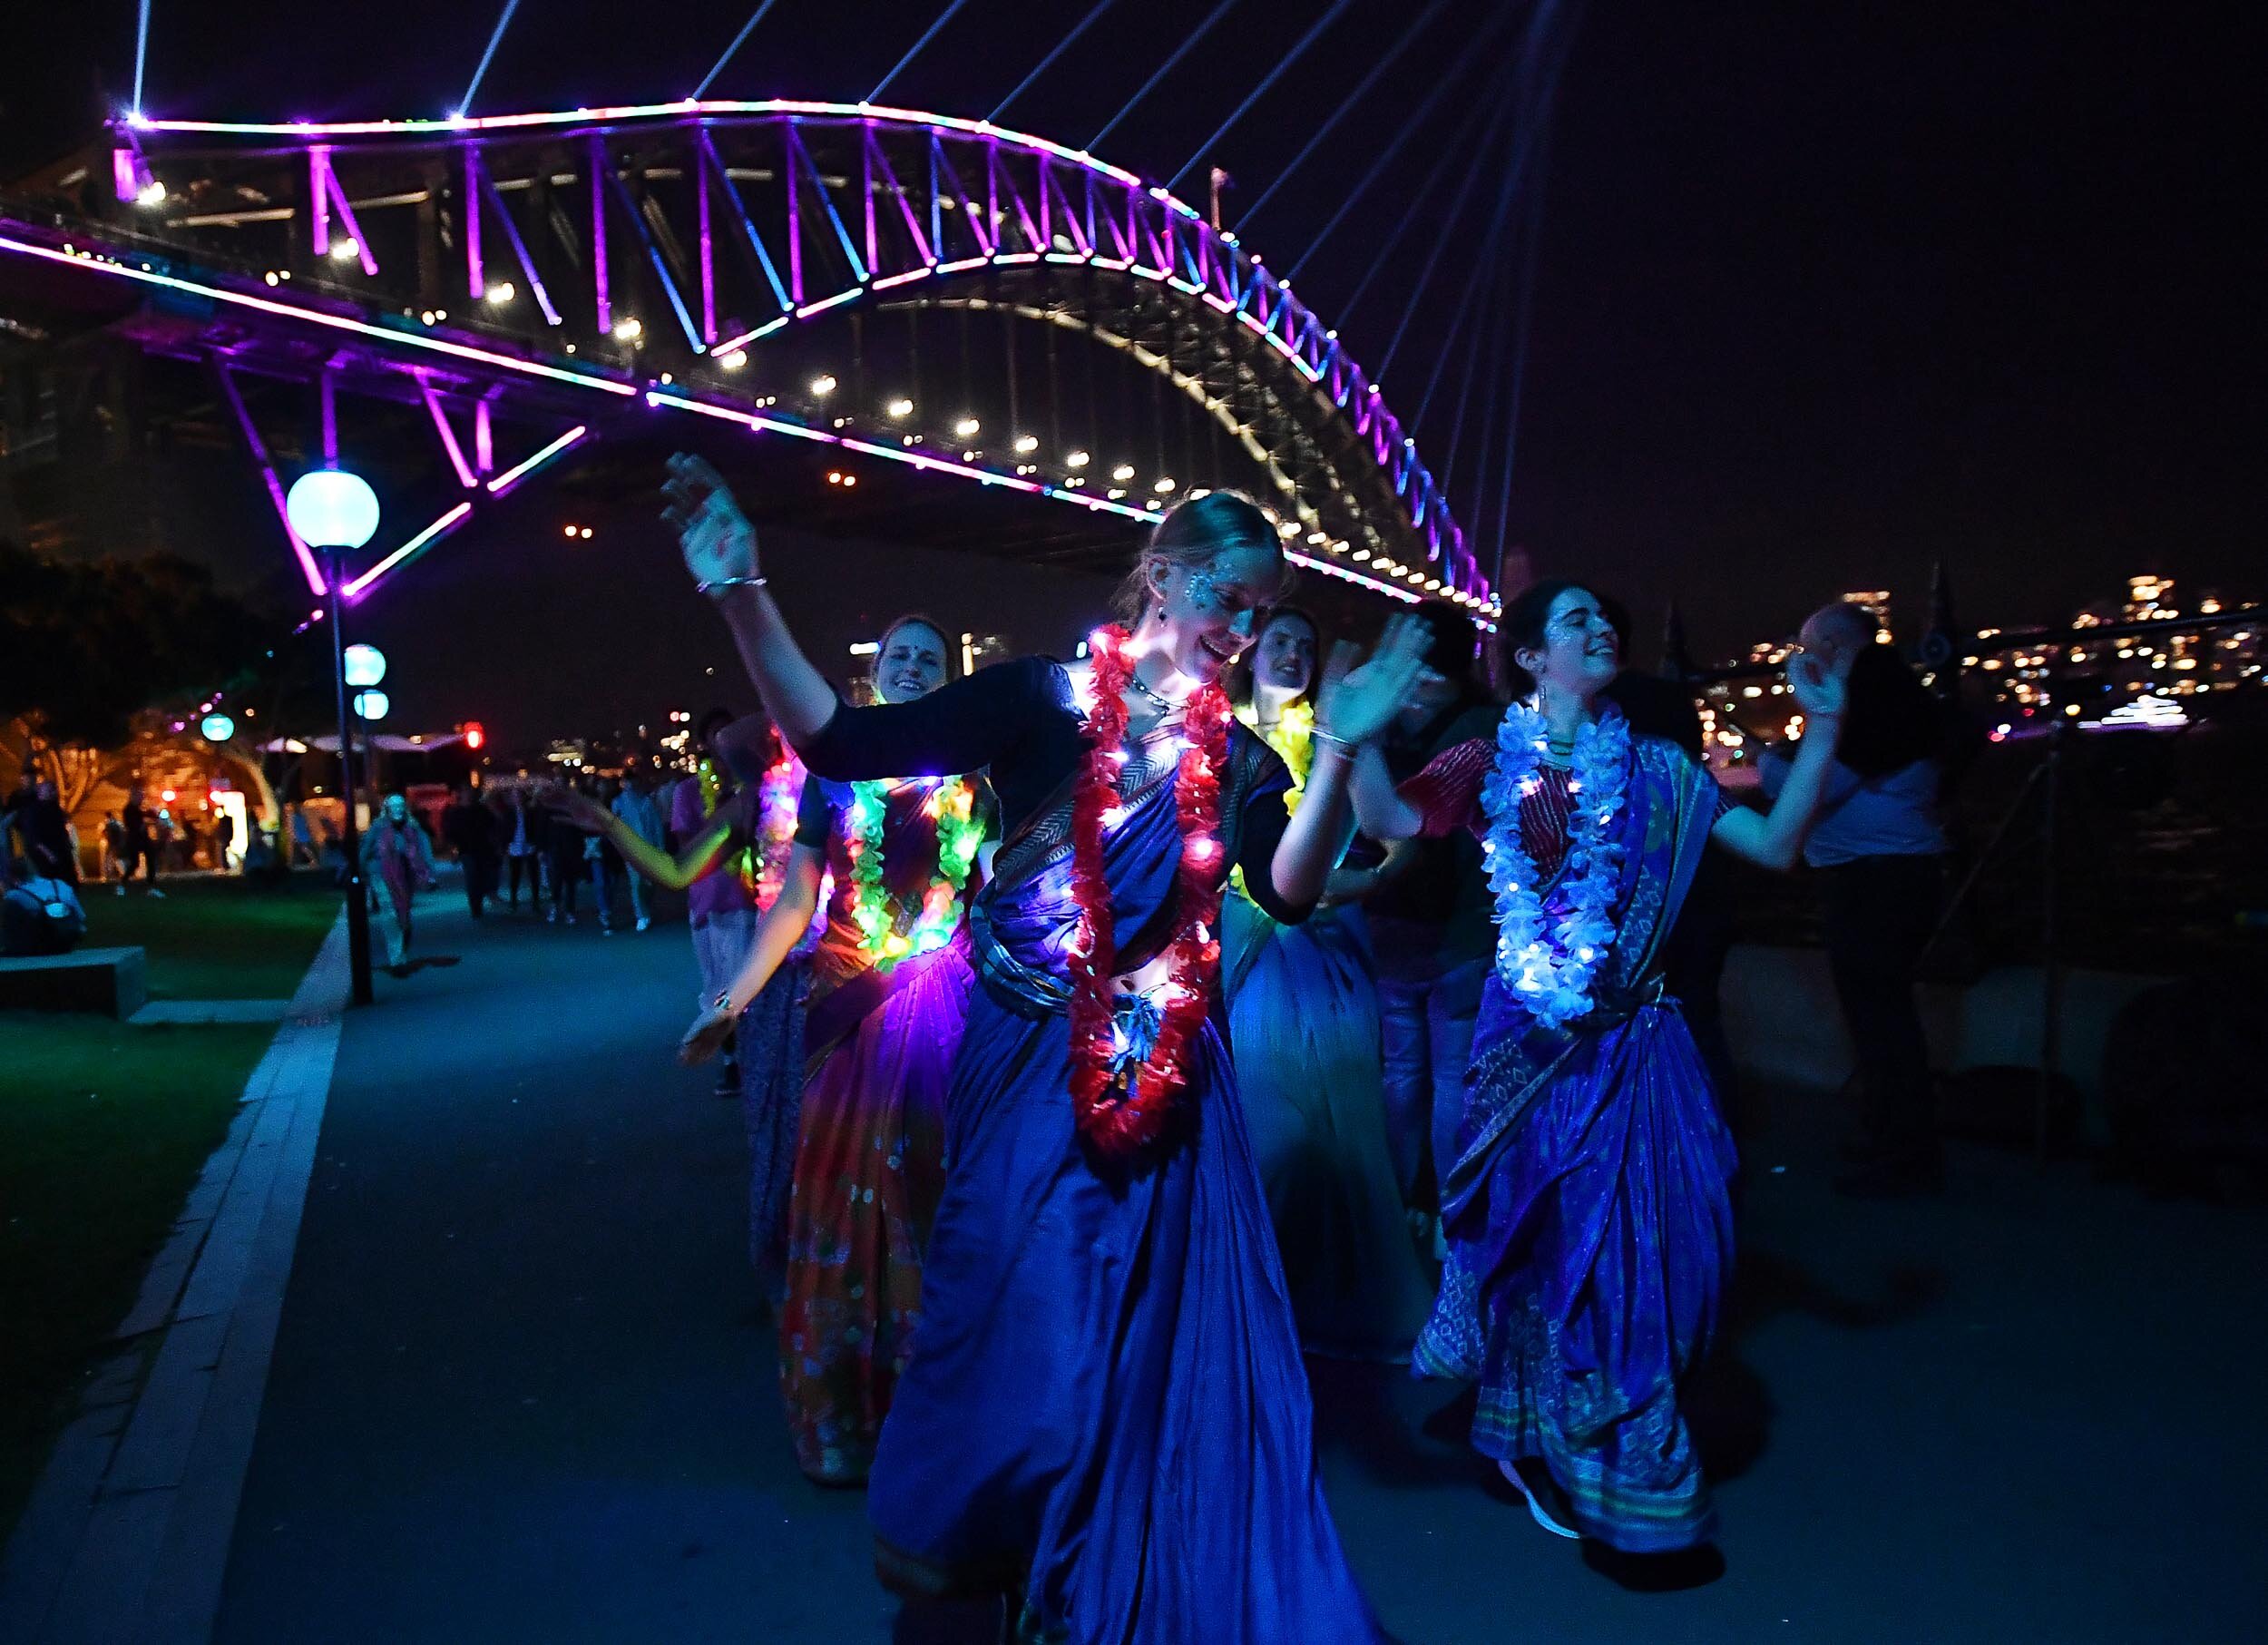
716, 539
1822, 689
1356, 704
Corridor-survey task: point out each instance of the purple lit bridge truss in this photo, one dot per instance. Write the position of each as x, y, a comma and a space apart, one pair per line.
895, 286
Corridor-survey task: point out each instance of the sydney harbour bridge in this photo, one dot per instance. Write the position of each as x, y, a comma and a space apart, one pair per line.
930, 305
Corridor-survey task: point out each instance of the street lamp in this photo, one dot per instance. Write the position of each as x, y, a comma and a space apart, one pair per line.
365, 665
334, 512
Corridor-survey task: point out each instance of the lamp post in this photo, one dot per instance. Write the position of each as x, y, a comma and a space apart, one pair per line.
333, 511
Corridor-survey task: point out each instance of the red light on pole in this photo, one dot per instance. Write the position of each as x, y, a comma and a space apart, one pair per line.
475, 736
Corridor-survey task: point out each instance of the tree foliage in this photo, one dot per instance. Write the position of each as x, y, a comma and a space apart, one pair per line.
87, 646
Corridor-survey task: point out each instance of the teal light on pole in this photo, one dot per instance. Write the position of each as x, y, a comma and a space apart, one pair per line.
371, 705
217, 728
330, 508
365, 665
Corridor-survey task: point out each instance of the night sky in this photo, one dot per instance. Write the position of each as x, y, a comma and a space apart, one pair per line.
1825, 293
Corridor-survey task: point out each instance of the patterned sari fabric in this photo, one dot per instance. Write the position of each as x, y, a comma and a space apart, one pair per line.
878, 1048
769, 1041
1105, 1411
1588, 1214
1303, 1016
1304, 1020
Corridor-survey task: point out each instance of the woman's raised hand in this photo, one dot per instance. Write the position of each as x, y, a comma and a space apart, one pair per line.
1356, 704
1820, 691
716, 539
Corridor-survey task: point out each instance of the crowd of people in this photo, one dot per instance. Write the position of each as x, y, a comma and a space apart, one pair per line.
1108, 1035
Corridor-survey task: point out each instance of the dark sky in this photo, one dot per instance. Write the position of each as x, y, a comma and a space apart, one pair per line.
1825, 292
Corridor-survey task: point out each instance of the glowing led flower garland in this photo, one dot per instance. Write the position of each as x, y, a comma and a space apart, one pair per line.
1293, 735
1121, 1109
1548, 956
887, 930
776, 825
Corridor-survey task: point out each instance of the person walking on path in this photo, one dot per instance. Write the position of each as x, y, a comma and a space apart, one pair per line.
470, 828
396, 856
563, 863
641, 814
224, 842
141, 845
602, 864
524, 850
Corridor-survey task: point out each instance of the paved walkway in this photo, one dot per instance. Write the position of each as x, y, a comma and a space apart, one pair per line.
521, 1393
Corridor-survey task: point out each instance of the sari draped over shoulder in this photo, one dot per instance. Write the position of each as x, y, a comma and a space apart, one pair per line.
1105, 1411
1588, 1211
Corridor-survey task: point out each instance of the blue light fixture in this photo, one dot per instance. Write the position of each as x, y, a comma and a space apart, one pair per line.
363, 665
331, 508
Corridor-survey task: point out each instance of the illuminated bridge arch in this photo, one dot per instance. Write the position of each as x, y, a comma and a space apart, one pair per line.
797, 267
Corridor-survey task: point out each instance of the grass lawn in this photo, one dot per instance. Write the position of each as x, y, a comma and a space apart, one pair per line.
218, 938
103, 1129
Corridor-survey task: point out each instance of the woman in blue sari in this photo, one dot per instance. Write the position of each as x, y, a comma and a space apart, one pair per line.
1105, 1416
1587, 1211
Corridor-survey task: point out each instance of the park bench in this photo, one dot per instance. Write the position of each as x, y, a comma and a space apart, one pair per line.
112, 981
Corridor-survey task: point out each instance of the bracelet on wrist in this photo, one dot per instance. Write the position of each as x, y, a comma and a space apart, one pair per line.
723, 1002
1331, 739
716, 584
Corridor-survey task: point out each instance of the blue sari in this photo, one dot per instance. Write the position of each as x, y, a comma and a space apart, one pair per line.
1106, 1411
1589, 1211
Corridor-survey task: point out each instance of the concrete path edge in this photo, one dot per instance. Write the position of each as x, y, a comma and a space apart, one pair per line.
126, 1535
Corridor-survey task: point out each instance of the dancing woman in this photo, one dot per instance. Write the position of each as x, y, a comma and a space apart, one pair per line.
744, 837
1587, 1210
889, 993
1303, 1024
1105, 1416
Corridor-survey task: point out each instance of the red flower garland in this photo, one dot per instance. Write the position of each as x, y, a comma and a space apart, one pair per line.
1118, 1114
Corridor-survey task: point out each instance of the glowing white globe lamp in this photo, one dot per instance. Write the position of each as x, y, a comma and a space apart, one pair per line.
330, 508
364, 665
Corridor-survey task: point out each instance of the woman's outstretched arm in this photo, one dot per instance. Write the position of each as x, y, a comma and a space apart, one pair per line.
1774, 838
963, 727
697, 860
776, 934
